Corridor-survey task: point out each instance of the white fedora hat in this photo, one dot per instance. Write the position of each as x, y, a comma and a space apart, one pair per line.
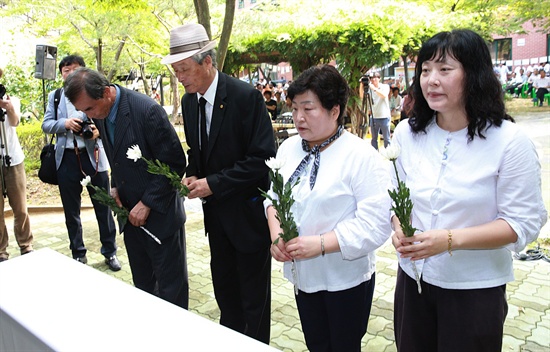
186, 41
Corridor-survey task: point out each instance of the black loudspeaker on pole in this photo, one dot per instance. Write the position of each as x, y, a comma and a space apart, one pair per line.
46, 61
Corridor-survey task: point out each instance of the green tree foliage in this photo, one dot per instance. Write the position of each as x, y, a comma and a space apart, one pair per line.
20, 82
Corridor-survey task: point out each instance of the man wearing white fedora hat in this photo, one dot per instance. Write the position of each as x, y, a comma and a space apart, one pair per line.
230, 137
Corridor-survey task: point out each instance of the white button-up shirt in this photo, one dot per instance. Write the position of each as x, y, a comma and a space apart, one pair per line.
350, 197
455, 184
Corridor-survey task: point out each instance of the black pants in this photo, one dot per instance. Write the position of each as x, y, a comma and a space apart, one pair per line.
159, 269
448, 320
336, 321
70, 189
242, 284
540, 94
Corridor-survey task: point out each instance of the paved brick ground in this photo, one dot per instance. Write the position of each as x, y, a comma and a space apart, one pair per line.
527, 326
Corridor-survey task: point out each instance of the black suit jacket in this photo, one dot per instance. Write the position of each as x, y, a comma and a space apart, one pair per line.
142, 121
239, 143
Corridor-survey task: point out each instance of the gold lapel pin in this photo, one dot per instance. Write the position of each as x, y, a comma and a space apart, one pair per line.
221, 106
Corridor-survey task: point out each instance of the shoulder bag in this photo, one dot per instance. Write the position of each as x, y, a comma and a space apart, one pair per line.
48, 170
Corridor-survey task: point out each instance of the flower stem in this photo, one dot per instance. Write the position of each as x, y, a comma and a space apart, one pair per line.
416, 277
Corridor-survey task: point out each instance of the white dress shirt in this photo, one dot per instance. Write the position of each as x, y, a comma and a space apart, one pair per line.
456, 183
350, 196
13, 147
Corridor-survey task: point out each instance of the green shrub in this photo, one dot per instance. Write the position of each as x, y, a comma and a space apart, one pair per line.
32, 140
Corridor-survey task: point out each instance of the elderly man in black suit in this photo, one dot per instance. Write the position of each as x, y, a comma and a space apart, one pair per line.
229, 141
126, 118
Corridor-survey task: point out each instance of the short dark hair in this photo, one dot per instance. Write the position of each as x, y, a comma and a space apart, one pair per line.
327, 83
483, 96
85, 80
71, 59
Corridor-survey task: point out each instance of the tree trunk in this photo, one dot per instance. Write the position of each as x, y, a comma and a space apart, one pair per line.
203, 15
406, 68
175, 98
226, 32
99, 55
144, 78
119, 48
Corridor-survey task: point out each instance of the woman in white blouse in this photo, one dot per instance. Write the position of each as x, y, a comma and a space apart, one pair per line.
341, 209
474, 178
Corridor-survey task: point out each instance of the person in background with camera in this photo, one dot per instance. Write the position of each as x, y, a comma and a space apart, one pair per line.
380, 110
79, 153
14, 179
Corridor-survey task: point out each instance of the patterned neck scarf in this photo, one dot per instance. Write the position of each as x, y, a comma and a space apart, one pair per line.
316, 151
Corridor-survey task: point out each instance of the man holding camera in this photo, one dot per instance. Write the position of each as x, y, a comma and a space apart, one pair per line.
13, 177
79, 153
380, 109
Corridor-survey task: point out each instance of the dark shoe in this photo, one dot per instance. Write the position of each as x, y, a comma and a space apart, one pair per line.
82, 260
3, 259
27, 252
113, 263
540, 104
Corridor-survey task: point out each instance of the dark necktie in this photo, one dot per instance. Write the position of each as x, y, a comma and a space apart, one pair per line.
204, 135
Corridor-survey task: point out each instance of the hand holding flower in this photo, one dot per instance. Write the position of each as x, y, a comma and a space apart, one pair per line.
114, 194
199, 188
304, 247
283, 202
158, 168
402, 206
139, 214
424, 244
113, 201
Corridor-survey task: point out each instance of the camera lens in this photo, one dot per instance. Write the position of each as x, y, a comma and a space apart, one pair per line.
87, 132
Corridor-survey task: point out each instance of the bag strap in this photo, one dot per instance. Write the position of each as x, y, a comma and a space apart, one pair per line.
56, 99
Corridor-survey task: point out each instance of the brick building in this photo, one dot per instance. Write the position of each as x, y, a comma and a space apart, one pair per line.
531, 48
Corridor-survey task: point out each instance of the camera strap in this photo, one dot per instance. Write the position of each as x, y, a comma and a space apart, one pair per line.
96, 157
56, 99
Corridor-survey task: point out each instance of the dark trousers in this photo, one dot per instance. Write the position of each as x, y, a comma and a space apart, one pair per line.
70, 189
540, 94
242, 285
159, 269
448, 320
336, 321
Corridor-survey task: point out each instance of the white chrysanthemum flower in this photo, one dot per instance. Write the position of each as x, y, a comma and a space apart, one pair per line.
275, 164
86, 181
134, 153
391, 152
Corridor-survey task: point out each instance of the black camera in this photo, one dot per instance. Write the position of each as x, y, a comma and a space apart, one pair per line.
365, 79
86, 131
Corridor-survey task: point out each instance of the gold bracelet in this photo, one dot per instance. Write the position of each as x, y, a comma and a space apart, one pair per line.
450, 242
322, 244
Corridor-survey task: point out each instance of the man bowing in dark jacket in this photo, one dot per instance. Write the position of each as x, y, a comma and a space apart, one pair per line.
126, 118
230, 137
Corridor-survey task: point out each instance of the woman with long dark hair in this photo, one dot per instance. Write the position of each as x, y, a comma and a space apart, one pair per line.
474, 180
